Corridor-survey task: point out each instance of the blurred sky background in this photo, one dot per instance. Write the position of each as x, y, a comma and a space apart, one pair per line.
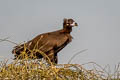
98, 30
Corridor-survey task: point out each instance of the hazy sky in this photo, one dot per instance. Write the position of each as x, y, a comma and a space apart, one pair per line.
98, 30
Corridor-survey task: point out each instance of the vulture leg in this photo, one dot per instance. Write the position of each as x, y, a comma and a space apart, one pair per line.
56, 58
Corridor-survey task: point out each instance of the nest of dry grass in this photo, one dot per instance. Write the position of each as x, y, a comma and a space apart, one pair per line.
41, 70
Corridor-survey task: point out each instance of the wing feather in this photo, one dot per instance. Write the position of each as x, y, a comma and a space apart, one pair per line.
45, 42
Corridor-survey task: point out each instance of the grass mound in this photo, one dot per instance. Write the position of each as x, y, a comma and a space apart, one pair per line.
44, 69
41, 70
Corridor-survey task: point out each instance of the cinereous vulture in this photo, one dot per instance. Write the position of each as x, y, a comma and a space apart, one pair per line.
50, 43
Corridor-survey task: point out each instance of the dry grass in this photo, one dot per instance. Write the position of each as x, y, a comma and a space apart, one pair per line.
38, 69
44, 69
41, 69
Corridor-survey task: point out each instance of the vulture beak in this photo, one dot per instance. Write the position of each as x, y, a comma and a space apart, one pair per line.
74, 24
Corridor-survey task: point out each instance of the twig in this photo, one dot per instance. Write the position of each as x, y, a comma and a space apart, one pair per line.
6, 39
76, 55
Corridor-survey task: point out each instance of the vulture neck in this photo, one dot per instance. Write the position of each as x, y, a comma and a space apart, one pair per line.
67, 29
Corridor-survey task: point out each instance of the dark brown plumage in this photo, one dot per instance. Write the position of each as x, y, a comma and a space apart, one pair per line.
50, 43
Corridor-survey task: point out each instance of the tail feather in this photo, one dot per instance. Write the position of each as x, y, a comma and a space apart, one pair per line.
17, 49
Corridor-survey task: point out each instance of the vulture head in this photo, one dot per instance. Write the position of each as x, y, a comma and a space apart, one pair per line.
68, 24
